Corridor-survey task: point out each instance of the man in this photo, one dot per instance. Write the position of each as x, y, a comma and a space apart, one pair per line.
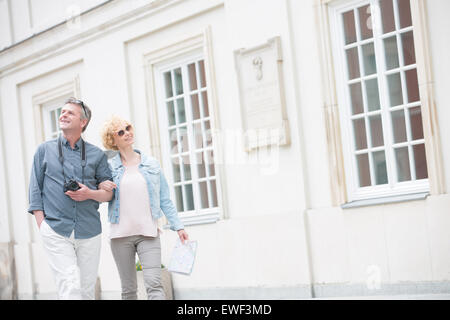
68, 219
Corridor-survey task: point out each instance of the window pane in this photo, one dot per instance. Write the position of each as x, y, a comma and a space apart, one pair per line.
178, 81
402, 160
359, 128
409, 55
184, 139
387, 15
404, 12
189, 197
176, 170
373, 100
204, 194
214, 192
356, 98
362, 161
195, 107
365, 22
391, 52
53, 120
415, 118
349, 27
198, 136
376, 131
379, 165
208, 133
201, 66
212, 170
58, 114
412, 85
205, 104
192, 76
368, 53
168, 84
353, 63
173, 141
187, 168
171, 113
200, 165
398, 126
395, 89
207, 129
209, 155
181, 110
179, 199
420, 161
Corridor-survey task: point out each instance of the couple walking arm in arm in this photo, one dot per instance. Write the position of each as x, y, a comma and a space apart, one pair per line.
70, 177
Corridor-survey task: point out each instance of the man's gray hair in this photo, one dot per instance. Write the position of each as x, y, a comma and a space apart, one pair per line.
86, 112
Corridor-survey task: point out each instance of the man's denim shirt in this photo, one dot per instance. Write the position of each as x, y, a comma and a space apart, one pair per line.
46, 190
157, 187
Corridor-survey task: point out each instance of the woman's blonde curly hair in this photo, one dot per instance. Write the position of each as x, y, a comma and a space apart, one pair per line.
109, 128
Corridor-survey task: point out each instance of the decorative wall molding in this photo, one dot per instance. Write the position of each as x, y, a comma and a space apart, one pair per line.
332, 124
261, 94
427, 97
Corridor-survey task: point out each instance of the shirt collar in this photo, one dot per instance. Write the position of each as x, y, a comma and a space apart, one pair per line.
66, 142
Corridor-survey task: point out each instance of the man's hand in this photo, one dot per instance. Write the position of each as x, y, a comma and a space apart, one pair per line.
39, 215
84, 193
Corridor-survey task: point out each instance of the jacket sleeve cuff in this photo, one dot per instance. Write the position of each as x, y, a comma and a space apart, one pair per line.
177, 227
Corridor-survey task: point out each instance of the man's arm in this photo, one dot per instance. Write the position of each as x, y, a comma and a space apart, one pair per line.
36, 183
84, 193
102, 173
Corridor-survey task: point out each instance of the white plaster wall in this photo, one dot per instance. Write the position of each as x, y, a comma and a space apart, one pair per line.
265, 231
23, 18
404, 242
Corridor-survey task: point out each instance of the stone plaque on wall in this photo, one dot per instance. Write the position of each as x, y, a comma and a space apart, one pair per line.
261, 91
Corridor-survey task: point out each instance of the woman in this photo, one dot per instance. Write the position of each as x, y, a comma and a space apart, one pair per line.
141, 195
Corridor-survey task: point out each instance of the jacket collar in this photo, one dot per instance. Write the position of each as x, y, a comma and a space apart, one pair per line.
146, 161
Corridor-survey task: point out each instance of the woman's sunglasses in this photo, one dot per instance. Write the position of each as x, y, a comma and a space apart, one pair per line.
128, 128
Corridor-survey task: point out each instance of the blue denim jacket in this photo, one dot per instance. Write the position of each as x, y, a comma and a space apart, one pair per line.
158, 190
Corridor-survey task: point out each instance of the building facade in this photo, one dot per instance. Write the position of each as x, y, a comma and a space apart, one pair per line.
305, 142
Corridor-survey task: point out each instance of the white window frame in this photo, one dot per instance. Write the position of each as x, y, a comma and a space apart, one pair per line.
164, 121
341, 171
47, 101
166, 58
47, 110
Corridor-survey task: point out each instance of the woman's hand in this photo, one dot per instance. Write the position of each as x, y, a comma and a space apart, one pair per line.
107, 185
183, 235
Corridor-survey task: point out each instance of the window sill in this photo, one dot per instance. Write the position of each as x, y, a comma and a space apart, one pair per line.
385, 200
198, 219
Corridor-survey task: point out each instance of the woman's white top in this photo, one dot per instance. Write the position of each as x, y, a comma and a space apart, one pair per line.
135, 212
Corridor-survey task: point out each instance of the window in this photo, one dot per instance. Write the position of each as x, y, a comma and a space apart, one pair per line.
51, 112
379, 100
184, 111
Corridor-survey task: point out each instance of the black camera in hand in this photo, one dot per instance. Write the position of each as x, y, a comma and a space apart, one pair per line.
71, 185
